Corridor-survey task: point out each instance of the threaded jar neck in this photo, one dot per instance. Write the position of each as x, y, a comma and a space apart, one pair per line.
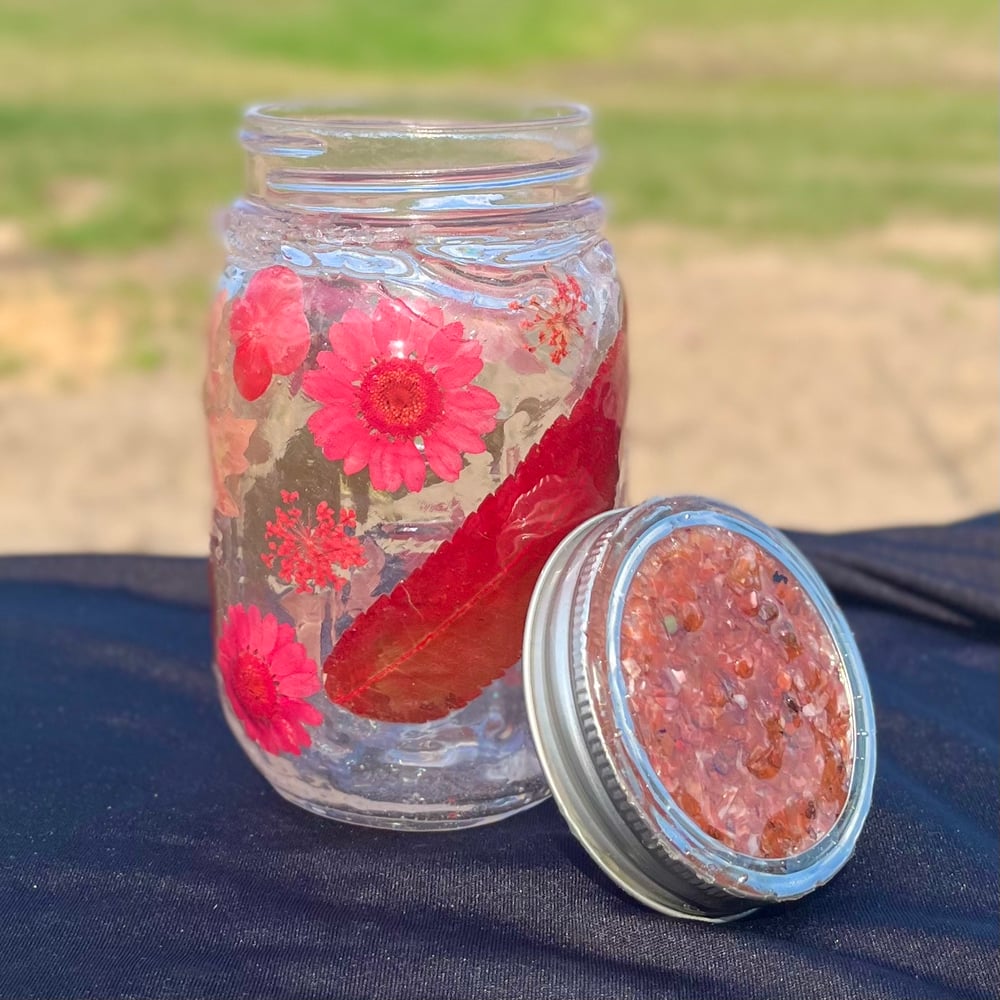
377, 162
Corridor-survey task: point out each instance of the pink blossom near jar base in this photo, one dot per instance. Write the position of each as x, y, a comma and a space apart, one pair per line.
267, 676
735, 687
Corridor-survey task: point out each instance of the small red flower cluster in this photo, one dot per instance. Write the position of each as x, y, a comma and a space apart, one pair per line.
306, 554
554, 321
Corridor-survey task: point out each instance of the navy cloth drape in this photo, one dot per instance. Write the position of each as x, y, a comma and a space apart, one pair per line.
141, 855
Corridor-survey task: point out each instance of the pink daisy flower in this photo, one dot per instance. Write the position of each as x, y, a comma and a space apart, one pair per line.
268, 325
396, 397
267, 674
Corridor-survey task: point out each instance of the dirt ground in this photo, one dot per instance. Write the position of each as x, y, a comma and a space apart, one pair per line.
827, 388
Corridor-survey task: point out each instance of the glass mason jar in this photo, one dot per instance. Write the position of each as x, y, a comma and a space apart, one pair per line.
415, 390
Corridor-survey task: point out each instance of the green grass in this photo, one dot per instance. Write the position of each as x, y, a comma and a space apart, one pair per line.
806, 163
389, 35
164, 169
759, 140
11, 364
978, 275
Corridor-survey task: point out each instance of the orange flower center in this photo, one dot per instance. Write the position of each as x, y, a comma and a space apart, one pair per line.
400, 397
254, 688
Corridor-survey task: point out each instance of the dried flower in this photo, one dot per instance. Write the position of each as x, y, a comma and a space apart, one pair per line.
266, 675
307, 554
228, 437
555, 320
268, 325
396, 396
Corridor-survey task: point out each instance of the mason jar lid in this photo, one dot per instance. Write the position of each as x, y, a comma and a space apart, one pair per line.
699, 707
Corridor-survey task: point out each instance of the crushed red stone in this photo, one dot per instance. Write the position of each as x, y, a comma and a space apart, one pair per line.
736, 690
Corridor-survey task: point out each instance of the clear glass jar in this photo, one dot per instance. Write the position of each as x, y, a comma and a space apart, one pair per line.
415, 389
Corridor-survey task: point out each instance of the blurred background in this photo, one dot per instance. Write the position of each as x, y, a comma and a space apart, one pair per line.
802, 196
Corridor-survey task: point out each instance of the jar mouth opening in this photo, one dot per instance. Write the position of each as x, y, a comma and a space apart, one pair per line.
415, 157
402, 117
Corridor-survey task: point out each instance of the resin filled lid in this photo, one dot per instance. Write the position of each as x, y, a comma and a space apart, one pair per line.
700, 707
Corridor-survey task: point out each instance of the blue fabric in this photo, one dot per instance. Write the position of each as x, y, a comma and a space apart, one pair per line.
142, 856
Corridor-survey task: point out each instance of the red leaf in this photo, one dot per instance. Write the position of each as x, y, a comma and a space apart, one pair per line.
456, 623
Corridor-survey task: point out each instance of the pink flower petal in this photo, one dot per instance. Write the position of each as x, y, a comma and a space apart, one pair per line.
255, 732
284, 736
288, 660
251, 369
252, 619
383, 468
423, 326
270, 316
476, 421
274, 289
358, 453
449, 343
351, 341
458, 373
434, 318
335, 431
332, 370
299, 686
443, 459
391, 331
334, 394
474, 407
289, 341
411, 463
475, 397
267, 635
242, 320
458, 436
301, 711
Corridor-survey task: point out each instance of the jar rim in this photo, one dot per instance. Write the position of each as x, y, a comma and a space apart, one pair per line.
411, 157
402, 116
